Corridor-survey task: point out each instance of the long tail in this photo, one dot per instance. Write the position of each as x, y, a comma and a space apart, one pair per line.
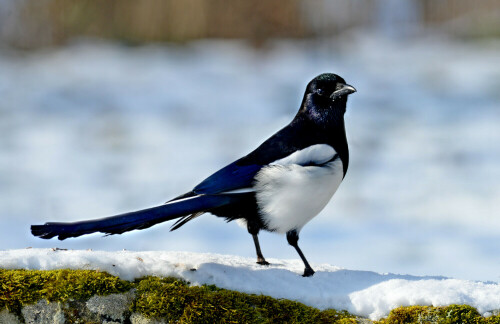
134, 220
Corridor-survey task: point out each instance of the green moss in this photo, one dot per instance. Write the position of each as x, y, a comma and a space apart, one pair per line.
24, 287
167, 298
176, 301
459, 314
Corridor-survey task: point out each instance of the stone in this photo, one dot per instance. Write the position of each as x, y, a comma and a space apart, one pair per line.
137, 318
8, 318
43, 313
112, 308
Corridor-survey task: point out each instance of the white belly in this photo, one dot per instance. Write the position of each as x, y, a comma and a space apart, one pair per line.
289, 196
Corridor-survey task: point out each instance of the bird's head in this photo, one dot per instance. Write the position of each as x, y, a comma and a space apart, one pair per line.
327, 91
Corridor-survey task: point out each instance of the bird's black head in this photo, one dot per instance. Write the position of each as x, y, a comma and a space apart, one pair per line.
326, 92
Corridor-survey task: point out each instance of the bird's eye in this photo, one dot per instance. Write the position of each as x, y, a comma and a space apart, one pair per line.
320, 92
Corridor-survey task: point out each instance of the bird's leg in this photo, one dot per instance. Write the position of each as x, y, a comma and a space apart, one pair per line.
254, 230
260, 257
293, 238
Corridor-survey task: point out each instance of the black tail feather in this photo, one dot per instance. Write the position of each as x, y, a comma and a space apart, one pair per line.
183, 220
134, 220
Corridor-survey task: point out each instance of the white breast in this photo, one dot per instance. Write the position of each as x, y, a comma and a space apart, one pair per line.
290, 195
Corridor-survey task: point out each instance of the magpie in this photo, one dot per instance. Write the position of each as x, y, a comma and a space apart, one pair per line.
278, 187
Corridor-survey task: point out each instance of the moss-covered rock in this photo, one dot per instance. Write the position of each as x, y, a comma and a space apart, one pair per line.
26, 287
453, 314
84, 296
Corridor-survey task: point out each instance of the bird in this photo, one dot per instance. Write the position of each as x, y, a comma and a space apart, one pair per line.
278, 187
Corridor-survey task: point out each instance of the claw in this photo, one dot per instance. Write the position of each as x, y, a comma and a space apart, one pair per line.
308, 272
262, 262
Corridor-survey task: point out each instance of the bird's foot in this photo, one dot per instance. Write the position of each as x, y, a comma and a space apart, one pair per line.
308, 272
262, 261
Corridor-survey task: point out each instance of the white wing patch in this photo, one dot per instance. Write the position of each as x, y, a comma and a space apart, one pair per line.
237, 191
314, 154
182, 199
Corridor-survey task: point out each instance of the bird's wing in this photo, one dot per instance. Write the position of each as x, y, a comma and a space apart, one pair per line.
290, 145
237, 178
230, 178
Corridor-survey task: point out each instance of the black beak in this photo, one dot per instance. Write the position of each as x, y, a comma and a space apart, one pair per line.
343, 89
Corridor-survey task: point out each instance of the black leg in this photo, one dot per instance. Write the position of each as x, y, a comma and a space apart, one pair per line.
260, 257
254, 230
293, 238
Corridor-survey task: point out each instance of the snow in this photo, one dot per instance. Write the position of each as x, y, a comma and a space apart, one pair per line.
95, 129
363, 293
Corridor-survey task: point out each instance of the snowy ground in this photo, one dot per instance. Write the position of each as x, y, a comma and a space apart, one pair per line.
363, 293
95, 129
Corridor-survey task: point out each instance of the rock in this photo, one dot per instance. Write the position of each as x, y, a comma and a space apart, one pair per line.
8, 318
137, 318
76, 311
112, 308
43, 313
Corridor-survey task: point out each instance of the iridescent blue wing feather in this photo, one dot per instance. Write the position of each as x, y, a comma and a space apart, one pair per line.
231, 177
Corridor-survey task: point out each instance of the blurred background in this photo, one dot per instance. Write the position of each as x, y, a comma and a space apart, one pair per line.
107, 107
